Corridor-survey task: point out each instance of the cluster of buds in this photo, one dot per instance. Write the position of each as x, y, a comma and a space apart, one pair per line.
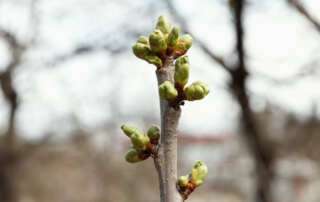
165, 41
188, 183
143, 145
178, 91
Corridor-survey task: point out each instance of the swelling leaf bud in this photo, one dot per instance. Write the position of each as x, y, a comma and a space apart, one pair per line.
140, 50
163, 25
143, 40
183, 44
154, 134
173, 37
167, 91
183, 181
153, 59
181, 74
129, 130
198, 173
157, 41
139, 141
132, 156
196, 91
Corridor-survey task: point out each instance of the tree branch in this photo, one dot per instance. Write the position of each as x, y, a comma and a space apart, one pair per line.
298, 5
211, 54
167, 162
7, 87
8, 153
258, 147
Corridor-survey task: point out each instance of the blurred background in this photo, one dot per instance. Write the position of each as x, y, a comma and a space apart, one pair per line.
69, 80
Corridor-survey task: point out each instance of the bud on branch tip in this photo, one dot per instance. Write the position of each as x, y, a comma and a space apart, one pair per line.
157, 41
139, 141
199, 173
163, 25
129, 130
173, 37
132, 156
183, 44
154, 134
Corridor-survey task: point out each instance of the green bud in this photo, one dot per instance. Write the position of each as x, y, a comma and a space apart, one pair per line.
173, 37
183, 181
153, 59
167, 91
139, 141
140, 50
157, 41
129, 130
163, 25
132, 156
199, 173
181, 74
143, 40
196, 91
154, 134
183, 44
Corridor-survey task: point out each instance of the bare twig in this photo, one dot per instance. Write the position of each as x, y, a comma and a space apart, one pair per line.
8, 152
258, 147
298, 5
215, 57
168, 147
8, 90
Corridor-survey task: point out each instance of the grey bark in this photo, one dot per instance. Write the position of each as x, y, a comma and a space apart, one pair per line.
166, 162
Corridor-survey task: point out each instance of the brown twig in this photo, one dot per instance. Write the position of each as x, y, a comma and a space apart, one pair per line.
7, 87
8, 152
298, 5
257, 147
215, 57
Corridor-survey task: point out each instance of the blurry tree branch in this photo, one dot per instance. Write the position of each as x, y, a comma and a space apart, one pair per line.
257, 146
298, 5
16, 51
215, 57
8, 149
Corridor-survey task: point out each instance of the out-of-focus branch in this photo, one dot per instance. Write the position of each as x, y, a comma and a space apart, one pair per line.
215, 57
298, 6
16, 50
258, 148
8, 151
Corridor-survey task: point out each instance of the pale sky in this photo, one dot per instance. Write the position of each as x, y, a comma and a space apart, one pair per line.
279, 42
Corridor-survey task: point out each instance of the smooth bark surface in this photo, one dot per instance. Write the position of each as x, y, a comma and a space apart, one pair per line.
166, 163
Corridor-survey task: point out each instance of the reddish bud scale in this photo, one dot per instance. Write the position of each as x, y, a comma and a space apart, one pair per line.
143, 155
186, 191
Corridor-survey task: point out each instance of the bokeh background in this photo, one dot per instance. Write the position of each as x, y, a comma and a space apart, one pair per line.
69, 80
